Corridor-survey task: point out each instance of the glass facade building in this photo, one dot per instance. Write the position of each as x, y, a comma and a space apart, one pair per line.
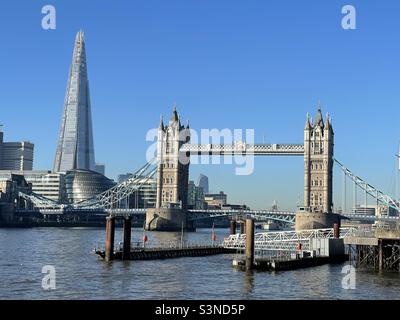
15, 155
146, 197
44, 183
216, 200
75, 148
82, 185
195, 196
203, 183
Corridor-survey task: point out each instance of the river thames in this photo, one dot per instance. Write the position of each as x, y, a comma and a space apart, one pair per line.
80, 274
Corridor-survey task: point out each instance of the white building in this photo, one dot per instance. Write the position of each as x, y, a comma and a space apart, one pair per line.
15, 155
380, 210
44, 183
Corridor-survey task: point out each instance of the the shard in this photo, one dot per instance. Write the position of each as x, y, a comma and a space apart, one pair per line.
75, 143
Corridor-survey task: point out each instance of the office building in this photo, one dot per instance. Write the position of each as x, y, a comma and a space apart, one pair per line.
195, 196
100, 168
15, 155
10, 186
203, 183
380, 210
75, 148
146, 197
82, 185
124, 176
216, 200
44, 183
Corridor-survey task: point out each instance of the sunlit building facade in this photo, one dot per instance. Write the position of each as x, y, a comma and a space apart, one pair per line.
82, 185
75, 148
15, 155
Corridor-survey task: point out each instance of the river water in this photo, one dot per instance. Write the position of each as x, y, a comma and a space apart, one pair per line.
80, 274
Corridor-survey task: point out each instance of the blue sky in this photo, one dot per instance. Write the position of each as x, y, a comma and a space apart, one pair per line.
226, 64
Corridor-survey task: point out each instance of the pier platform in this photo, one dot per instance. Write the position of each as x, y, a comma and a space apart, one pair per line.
167, 253
289, 264
375, 247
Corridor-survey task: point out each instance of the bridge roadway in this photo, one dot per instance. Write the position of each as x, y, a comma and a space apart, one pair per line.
194, 215
241, 148
110, 198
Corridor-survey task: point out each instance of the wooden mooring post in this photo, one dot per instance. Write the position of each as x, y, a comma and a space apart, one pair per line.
233, 227
336, 230
127, 238
242, 227
110, 234
249, 244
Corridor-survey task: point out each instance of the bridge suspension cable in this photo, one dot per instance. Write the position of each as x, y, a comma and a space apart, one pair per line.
40, 201
107, 199
372, 191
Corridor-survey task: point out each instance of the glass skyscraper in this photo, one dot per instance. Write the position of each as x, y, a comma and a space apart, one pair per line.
75, 143
203, 183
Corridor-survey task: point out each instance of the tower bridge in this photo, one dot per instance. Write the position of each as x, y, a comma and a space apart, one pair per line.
173, 145
171, 212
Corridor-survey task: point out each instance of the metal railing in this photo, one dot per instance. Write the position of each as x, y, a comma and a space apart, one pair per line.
283, 240
258, 215
173, 245
369, 231
244, 148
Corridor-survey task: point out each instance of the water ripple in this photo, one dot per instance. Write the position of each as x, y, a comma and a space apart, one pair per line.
81, 275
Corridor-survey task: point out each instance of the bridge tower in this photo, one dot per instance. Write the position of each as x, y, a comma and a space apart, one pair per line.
173, 167
172, 177
318, 172
318, 164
